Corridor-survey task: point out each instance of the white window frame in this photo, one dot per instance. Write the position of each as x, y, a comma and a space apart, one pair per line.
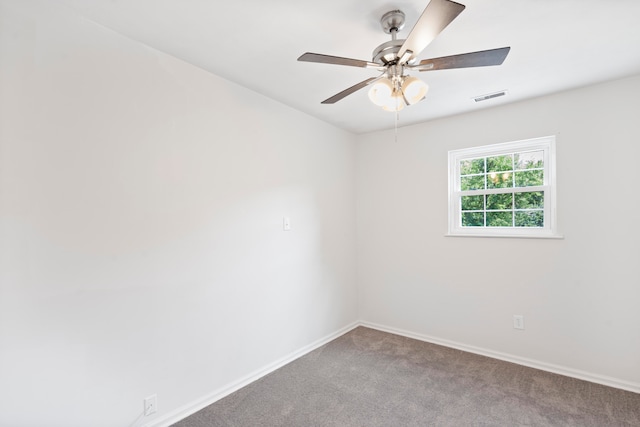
548, 145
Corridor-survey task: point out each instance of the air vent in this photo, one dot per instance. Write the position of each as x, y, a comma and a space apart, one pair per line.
490, 96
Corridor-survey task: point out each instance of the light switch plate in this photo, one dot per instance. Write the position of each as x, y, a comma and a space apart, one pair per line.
518, 321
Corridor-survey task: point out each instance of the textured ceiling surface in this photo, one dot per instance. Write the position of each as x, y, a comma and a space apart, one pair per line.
555, 45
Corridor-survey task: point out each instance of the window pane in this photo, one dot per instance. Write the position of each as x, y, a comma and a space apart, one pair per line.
500, 201
530, 160
472, 219
500, 163
499, 219
531, 200
530, 219
472, 203
500, 180
473, 166
529, 178
472, 182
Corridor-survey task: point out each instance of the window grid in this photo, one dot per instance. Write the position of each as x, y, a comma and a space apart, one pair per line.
493, 175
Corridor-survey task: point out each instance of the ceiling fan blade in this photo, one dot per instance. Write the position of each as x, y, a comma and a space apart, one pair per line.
338, 96
328, 59
482, 58
435, 18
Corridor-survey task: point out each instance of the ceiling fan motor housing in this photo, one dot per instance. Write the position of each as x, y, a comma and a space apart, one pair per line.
387, 52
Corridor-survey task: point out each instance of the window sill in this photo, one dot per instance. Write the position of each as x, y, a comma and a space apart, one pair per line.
509, 236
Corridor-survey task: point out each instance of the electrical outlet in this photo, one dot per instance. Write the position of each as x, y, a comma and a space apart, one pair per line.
150, 405
518, 321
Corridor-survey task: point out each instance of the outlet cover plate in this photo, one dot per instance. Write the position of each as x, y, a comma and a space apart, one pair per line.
150, 405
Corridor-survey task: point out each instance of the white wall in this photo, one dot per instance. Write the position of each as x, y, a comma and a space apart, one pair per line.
141, 242
579, 295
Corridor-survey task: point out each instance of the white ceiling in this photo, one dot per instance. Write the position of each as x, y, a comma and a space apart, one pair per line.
555, 45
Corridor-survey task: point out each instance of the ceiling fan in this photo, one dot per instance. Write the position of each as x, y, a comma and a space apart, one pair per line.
395, 88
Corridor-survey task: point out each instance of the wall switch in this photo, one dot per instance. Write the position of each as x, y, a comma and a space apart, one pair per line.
518, 321
150, 405
286, 223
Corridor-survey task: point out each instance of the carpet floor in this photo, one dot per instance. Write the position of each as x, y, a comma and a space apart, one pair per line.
372, 378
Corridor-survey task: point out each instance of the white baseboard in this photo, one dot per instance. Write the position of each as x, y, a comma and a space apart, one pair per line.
193, 407
543, 366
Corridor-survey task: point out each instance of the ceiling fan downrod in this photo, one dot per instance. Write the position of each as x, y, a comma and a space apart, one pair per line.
391, 22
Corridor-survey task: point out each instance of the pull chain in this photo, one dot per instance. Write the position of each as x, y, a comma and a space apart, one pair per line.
396, 126
396, 119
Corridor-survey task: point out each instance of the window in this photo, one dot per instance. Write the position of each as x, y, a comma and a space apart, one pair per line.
503, 190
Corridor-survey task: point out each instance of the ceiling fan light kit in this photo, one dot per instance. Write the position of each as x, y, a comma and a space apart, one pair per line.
395, 88
394, 94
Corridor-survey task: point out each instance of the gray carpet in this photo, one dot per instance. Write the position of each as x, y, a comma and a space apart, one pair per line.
372, 378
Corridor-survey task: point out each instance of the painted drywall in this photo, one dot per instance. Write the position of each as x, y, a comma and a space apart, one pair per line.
579, 295
141, 238
141, 242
